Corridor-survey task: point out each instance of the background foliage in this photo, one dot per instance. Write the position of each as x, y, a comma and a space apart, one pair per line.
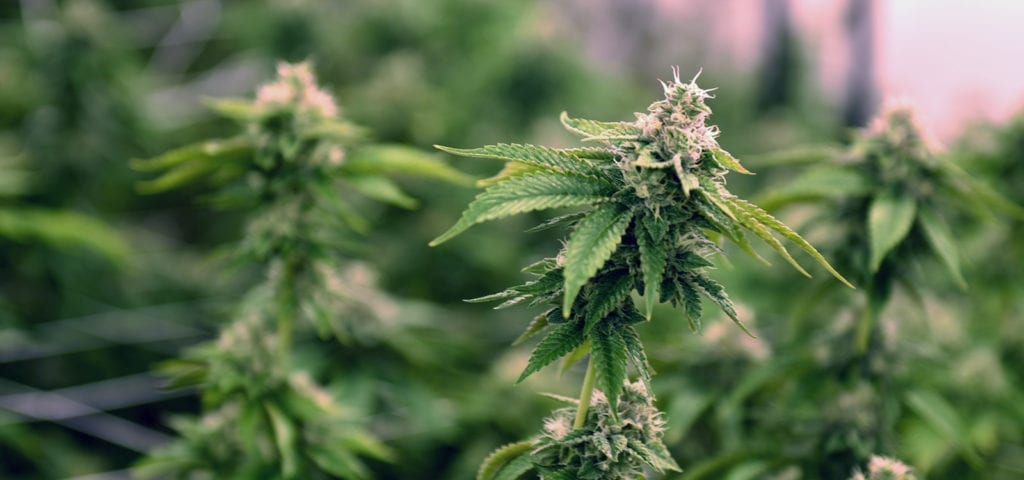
98, 284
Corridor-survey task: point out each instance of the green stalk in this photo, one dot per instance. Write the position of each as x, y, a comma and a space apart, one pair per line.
585, 392
285, 314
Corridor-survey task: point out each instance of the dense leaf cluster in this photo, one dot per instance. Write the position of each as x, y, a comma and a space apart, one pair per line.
654, 195
650, 201
891, 192
613, 445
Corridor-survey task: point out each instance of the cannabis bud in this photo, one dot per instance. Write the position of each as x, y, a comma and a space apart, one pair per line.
604, 448
884, 468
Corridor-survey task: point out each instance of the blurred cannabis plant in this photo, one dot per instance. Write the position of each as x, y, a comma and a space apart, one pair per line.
890, 197
650, 200
294, 166
874, 378
29, 230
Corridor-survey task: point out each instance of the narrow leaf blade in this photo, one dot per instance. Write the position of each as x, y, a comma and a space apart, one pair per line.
726, 160
653, 258
609, 357
890, 217
594, 128
591, 244
533, 191
562, 340
773, 223
941, 240
500, 458
533, 155
540, 322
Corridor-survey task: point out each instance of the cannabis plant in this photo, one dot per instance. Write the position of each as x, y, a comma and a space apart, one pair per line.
293, 166
650, 199
891, 199
874, 376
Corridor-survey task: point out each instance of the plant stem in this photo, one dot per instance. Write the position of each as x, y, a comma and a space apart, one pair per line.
585, 392
286, 314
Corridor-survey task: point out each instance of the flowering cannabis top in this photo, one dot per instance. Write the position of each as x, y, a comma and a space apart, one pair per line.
655, 189
605, 449
293, 167
893, 187
652, 193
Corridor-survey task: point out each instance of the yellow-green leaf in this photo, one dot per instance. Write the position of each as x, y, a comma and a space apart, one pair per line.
726, 160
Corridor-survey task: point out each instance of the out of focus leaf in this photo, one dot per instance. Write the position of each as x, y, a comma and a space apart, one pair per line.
889, 220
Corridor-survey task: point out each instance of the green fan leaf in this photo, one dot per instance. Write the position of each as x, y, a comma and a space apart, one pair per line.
726, 160
534, 191
501, 461
562, 340
771, 222
716, 293
608, 352
761, 231
590, 153
941, 240
594, 129
540, 322
516, 468
635, 351
653, 257
690, 298
661, 458
606, 295
573, 357
591, 244
556, 221
889, 220
544, 158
